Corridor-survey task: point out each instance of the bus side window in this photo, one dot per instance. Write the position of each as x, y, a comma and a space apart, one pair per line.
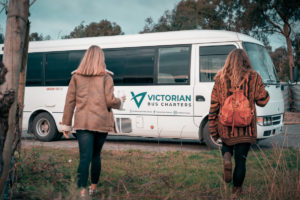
131, 66
74, 61
56, 69
212, 59
173, 65
34, 75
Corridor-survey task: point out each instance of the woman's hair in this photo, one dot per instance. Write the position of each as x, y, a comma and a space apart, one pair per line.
236, 66
93, 62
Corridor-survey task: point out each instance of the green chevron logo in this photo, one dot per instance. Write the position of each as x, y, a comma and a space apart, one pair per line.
138, 99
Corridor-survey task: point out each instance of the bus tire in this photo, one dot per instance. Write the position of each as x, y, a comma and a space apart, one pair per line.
44, 127
209, 141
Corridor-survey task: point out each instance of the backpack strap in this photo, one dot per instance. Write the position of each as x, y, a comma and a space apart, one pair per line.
243, 80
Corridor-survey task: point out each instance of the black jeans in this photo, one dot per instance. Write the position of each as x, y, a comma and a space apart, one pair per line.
240, 155
90, 146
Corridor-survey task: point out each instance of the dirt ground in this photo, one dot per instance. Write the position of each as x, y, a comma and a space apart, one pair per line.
291, 138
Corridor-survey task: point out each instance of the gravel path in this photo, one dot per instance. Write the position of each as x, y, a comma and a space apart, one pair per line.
291, 138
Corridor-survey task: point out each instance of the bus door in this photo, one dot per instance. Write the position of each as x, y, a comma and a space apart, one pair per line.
156, 82
210, 58
172, 96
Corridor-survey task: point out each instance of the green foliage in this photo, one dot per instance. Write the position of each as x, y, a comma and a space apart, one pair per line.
42, 176
281, 62
49, 174
103, 28
257, 18
261, 18
296, 45
188, 14
38, 37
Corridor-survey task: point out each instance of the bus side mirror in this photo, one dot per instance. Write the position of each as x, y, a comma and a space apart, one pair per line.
295, 74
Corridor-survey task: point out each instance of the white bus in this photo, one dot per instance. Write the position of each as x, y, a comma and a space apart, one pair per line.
166, 77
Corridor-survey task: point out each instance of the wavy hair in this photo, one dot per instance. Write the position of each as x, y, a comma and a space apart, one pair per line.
93, 62
236, 66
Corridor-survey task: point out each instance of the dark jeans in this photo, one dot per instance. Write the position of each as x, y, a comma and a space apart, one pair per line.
90, 146
240, 155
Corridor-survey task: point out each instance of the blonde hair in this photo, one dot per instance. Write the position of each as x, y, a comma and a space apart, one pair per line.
93, 62
236, 66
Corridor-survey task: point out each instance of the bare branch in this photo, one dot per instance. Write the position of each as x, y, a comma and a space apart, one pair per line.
2, 10
273, 23
32, 2
269, 30
5, 5
284, 19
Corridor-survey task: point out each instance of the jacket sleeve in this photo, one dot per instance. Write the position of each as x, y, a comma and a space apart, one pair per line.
261, 95
214, 111
111, 100
69, 106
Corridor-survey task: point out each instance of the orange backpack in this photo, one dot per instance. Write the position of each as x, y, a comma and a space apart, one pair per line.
236, 111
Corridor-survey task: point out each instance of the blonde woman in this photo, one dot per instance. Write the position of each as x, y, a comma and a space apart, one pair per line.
91, 92
237, 71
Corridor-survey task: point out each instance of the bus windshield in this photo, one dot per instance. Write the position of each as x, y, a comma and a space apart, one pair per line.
261, 62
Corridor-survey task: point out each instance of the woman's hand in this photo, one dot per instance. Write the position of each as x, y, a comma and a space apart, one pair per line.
123, 98
66, 134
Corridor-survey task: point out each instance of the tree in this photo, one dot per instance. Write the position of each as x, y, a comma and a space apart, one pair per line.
103, 28
12, 91
189, 14
262, 18
296, 45
258, 18
38, 37
281, 62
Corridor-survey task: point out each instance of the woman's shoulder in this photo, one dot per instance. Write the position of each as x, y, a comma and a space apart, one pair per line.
108, 74
253, 72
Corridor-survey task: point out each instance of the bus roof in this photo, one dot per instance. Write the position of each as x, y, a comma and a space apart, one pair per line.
146, 39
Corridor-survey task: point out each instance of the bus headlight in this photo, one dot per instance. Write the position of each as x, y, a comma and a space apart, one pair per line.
260, 121
264, 121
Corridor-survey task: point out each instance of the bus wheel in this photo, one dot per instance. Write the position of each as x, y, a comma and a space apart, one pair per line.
210, 141
44, 128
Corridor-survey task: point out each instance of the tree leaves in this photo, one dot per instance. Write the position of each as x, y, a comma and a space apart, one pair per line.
102, 28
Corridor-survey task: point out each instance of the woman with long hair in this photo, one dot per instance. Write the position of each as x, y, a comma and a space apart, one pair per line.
237, 73
91, 92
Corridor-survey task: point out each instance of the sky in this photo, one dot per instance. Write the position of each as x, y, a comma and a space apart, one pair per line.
58, 18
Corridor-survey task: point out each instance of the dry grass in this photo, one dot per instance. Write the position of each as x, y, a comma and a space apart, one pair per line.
51, 174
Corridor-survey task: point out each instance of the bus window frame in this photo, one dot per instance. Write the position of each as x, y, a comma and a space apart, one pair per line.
155, 64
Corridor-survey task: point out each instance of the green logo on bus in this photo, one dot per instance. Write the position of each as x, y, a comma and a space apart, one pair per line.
135, 98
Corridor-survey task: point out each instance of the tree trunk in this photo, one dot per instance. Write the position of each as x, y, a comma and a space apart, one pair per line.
21, 92
16, 25
290, 50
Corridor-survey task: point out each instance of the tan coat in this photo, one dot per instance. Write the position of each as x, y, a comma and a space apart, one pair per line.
93, 98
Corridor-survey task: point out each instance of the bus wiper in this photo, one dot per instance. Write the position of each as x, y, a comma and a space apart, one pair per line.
271, 82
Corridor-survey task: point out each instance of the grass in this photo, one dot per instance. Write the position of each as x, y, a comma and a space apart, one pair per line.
44, 173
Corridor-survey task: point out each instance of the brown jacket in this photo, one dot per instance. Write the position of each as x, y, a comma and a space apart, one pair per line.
93, 98
254, 90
